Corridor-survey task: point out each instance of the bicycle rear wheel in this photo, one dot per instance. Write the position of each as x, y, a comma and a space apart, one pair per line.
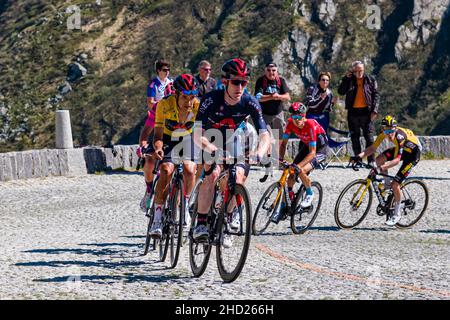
175, 234
265, 209
415, 201
353, 204
303, 218
231, 259
199, 252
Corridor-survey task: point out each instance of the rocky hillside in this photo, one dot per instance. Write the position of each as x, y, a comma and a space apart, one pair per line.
95, 58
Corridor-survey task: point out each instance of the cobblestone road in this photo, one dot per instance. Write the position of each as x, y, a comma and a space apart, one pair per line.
82, 238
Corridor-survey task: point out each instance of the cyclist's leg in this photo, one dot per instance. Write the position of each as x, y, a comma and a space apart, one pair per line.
189, 168
242, 171
206, 193
409, 162
302, 153
387, 155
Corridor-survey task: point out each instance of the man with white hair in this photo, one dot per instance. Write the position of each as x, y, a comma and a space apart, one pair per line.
362, 101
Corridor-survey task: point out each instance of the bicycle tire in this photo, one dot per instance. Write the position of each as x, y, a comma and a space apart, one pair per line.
338, 202
148, 238
261, 202
425, 188
176, 224
164, 240
297, 201
230, 276
197, 268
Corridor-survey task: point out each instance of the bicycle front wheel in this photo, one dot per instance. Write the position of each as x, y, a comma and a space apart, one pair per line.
414, 201
303, 218
353, 204
266, 207
177, 207
199, 252
233, 245
148, 238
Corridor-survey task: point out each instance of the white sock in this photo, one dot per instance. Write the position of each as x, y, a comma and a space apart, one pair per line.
158, 213
397, 208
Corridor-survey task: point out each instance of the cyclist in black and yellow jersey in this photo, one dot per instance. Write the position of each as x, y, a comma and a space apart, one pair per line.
407, 148
174, 121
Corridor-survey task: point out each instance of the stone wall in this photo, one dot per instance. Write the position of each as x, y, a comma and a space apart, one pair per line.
74, 162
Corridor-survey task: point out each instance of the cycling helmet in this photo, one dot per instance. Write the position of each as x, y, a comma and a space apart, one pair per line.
389, 121
298, 108
186, 83
236, 67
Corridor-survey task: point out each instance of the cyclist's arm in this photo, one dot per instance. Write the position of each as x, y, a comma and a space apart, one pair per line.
145, 133
390, 164
369, 151
283, 148
150, 102
202, 142
158, 138
373, 148
264, 143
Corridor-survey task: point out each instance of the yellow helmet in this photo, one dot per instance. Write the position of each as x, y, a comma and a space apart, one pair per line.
389, 121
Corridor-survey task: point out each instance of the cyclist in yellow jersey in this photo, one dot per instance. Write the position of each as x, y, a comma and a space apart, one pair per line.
407, 149
174, 121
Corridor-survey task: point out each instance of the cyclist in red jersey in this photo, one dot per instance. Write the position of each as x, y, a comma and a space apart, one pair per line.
312, 148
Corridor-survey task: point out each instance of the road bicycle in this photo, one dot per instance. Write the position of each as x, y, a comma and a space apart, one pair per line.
275, 205
230, 260
355, 200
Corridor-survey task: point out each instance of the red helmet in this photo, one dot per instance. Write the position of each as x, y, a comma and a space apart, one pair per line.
298, 108
236, 67
186, 83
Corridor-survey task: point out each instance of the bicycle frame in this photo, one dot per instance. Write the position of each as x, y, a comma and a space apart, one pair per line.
371, 179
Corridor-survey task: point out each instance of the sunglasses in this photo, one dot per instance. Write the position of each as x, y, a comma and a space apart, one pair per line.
388, 131
297, 117
190, 92
165, 70
239, 82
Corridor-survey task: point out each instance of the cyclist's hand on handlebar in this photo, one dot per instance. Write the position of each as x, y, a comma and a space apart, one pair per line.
159, 153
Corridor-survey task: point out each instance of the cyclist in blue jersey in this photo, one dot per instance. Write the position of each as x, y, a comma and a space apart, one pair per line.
225, 110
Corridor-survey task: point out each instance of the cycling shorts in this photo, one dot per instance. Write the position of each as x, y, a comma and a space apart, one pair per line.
409, 161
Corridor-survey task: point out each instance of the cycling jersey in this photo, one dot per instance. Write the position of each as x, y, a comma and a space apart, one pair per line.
404, 141
215, 113
167, 117
157, 89
308, 134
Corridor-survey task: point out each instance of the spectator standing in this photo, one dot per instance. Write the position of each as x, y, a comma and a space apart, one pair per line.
161, 85
207, 83
361, 101
320, 99
271, 90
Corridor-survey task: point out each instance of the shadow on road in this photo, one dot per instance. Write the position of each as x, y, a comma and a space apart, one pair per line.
436, 231
94, 252
110, 279
430, 178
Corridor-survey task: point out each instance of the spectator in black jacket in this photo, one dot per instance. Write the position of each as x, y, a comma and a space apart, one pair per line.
361, 100
271, 90
320, 99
